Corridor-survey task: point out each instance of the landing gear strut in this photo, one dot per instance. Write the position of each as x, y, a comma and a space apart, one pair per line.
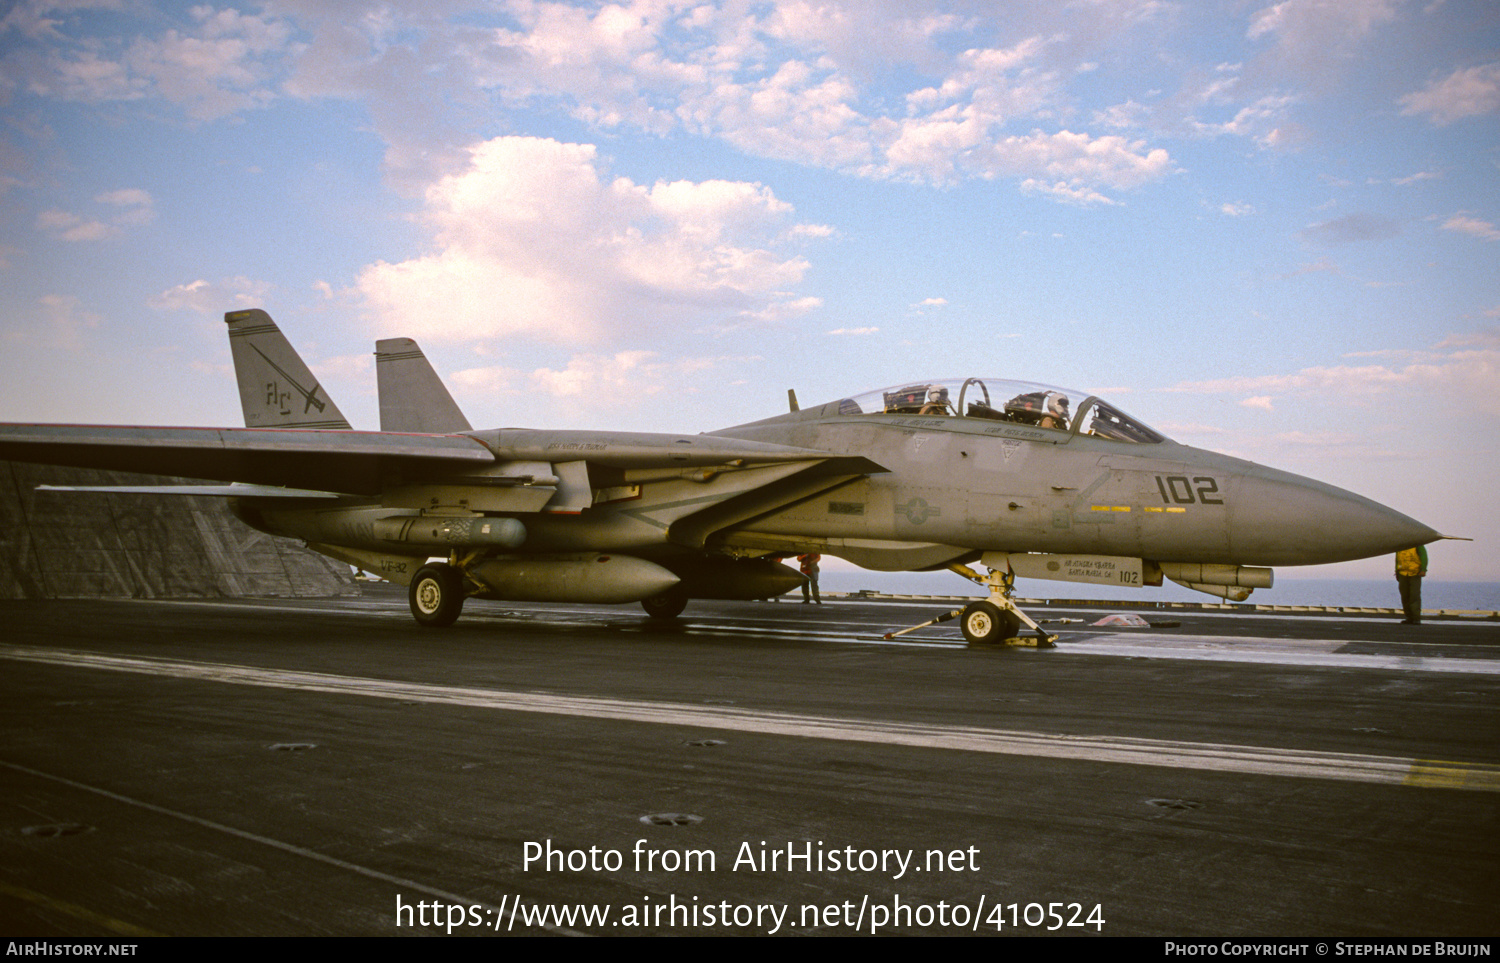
992, 621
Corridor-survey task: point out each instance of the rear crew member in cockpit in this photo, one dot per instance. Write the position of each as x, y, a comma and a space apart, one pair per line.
1056, 415
937, 401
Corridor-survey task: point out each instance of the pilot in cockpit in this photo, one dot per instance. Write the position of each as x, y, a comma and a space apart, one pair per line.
937, 401
1056, 415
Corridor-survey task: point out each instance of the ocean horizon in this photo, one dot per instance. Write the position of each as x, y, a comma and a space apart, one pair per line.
1364, 593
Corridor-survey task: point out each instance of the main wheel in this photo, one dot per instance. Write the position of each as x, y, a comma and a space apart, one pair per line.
988, 624
436, 595
667, 605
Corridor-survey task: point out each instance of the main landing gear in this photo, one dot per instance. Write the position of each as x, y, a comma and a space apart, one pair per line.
436, 595
667, 605
992, 621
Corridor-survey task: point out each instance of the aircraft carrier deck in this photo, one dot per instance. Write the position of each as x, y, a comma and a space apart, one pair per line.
327, 767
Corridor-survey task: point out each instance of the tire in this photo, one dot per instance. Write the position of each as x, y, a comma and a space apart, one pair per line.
667, 605
436, 595
986, 623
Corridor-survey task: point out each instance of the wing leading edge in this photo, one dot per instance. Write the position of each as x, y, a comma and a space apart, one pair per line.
348, 462
370, 462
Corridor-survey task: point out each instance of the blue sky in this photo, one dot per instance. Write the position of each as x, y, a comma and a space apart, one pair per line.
1266, 229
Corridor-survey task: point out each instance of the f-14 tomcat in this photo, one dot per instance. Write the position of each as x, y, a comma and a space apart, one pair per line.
1029, 480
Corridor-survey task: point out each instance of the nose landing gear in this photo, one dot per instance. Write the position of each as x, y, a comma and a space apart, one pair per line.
992, 621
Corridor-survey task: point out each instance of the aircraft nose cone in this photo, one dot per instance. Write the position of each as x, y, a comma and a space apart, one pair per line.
1307, 522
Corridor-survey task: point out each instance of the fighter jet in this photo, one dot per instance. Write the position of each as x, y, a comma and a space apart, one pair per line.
1025, 479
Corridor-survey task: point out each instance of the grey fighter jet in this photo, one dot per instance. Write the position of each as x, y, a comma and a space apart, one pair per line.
1028, 480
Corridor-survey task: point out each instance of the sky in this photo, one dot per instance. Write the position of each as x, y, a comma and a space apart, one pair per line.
1267, 229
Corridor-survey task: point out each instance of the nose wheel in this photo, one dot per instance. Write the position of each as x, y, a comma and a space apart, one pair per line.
992, 621
984, 623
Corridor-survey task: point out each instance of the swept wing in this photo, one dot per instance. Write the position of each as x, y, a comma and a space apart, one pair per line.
369, 462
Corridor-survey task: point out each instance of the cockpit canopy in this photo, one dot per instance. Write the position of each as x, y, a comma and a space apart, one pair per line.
1016, 402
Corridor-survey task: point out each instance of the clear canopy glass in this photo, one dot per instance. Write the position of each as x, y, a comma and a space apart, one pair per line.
997, 399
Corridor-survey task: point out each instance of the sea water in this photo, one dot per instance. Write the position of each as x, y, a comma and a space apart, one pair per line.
1364, 593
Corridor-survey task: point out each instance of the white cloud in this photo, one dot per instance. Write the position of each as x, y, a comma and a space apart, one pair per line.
67, 226
62, 323
785, 310
1081, 160
1321, 266
1310, 34
875, 89
135, 206
1314, 439
221, 66
1285, 137
1258, 401
1123, 116
1487, 339
1264, 121
1470, 92
89, 77
811, 231
1344, 446
1472, 226
355, 368
796, 81
1236, 209
1463, 370
533, 240
864, 36
1416, 178
1320, 21
1338, 378
132, 206
1063, 191
1175, 429
66, 318
1351, 228
803, 112
212, 298
220, 63
628, 373
597, 384
126, 197
855, 331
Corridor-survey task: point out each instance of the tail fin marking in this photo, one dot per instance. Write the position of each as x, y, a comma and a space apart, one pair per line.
276, 388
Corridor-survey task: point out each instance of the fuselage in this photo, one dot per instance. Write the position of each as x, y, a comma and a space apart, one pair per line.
962, 482
949, 481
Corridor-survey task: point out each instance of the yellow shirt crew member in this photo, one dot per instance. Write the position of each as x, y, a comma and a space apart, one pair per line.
1411, 565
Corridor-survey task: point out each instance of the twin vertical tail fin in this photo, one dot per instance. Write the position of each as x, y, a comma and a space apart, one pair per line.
412, 397
276, 389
